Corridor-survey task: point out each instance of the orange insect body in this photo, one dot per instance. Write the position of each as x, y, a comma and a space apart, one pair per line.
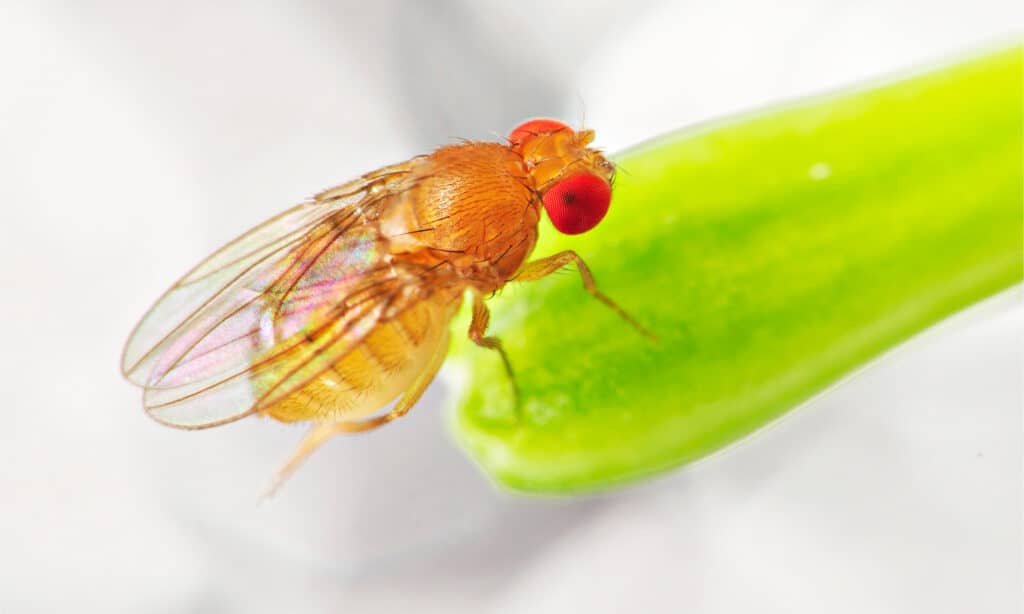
332, 310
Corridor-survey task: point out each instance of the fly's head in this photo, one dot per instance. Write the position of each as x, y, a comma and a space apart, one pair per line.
573, 179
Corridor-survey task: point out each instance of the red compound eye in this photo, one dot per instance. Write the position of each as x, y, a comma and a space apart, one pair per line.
533, 128
576, 204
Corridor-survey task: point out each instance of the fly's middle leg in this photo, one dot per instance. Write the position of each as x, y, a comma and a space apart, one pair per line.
477, 332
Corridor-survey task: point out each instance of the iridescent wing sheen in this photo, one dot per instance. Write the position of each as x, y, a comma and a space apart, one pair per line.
270, 310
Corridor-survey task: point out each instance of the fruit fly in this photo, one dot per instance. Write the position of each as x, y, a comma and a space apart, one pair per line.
339, 307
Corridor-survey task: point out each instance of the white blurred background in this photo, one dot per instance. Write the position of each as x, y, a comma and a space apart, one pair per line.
137, 137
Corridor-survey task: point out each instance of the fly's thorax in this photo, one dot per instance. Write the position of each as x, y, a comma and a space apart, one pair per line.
471, 208
551, 157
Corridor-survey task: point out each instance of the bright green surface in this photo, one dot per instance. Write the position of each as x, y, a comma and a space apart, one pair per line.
773, 254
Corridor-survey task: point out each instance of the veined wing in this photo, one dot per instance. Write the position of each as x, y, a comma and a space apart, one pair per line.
250, 323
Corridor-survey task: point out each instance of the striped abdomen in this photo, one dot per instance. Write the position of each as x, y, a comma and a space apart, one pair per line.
377, 369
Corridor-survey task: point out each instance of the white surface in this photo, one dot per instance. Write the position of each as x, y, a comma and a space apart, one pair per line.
137, 137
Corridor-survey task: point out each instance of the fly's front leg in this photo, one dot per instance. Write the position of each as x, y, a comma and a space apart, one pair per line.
546, 266
477, 330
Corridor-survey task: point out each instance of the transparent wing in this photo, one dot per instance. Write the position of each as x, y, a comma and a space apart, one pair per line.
269, 311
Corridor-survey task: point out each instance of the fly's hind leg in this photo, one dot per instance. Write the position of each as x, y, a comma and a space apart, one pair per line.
322, 431
546, 266
477, 330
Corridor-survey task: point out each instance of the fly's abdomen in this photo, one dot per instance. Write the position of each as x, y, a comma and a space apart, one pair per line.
376, 370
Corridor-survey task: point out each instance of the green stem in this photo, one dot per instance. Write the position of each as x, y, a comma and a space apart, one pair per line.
772, 254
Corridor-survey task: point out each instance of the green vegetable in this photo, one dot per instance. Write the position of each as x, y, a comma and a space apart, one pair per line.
772, 253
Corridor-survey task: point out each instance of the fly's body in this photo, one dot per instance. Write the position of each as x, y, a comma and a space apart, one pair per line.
336, 308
